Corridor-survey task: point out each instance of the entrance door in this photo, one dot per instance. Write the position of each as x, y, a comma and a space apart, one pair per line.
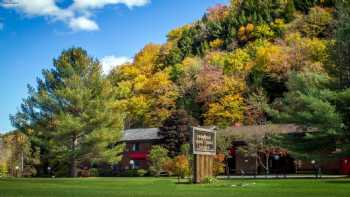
282, 165
345, 166
232, 164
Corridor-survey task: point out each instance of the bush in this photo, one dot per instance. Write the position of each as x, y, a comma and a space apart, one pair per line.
29, 171
130, 173
219, 166
3, 170
94, 172
141, 172
169, 167
134, 173
210, 180
105, 171
158, 156
182, 166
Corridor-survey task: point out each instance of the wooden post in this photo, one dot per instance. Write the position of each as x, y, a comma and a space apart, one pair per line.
204, 149
203, 167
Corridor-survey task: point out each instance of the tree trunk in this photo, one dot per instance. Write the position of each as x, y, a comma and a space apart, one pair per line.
73, 170
227, 168
73, 162
267, 164
256, 167
22, 163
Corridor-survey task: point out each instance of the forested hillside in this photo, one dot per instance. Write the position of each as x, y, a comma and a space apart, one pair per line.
250, 62
225, 68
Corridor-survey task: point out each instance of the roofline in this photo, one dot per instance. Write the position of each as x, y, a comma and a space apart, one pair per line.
143, 140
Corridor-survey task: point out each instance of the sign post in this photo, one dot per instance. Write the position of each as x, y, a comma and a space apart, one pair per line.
204, 150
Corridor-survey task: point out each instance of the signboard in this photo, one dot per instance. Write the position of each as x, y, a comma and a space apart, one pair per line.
204, 141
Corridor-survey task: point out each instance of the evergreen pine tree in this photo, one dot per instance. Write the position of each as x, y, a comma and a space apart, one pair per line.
73, 112
176, 131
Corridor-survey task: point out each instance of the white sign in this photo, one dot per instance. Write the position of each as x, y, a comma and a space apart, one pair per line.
204, 141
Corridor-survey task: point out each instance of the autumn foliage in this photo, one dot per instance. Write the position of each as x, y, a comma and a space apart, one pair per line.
181, 166
219, 164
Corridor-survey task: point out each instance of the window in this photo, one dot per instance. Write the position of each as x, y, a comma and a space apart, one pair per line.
134, 164
137, 164
135, 147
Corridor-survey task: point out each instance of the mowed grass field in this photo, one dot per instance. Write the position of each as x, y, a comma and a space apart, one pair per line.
167, 187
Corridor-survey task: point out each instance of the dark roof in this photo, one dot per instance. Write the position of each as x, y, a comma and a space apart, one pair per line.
141, 134
261, 130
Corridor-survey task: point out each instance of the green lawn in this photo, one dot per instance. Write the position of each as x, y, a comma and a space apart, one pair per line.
165, 187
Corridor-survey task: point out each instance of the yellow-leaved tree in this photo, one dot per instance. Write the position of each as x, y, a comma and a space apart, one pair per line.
147, 95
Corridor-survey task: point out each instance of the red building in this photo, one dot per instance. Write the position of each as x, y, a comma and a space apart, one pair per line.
345, 166
138, 143
278, 162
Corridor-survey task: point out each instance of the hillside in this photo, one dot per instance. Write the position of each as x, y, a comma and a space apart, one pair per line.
227, 67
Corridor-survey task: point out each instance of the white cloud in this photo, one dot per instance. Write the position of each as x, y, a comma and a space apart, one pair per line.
40, 8
94, 4
109, 62
83, 23
77, 16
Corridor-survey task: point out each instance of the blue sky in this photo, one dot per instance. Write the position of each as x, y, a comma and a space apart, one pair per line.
33, 32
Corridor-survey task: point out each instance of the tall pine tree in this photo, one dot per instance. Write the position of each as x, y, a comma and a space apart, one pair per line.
310, 105
72, 114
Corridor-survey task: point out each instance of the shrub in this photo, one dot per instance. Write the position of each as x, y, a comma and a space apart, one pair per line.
185, 149
29, 171
106, 171
158, 156
182, 166
219, 166
169, 167
129, 173
3, 170
210, 180
141, 172
94, 172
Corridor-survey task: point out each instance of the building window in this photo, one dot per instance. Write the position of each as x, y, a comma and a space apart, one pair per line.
137, 164
134, 164
135, 147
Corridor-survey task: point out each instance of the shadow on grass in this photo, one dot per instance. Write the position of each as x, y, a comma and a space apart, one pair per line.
343, 181
288, 178
183, 183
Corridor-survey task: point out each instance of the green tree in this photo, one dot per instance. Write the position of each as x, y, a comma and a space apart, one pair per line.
176, 131
17, 157
4, 154
73, 112
158, 158
310, 105
341, 59
341, 53
343, 108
